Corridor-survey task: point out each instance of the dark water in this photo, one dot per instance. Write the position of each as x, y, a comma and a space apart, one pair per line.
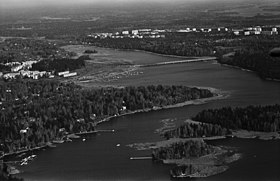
99, 159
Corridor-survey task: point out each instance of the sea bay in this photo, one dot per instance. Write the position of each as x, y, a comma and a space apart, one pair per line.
98, 158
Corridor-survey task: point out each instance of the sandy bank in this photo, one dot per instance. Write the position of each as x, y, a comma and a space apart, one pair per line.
256, 134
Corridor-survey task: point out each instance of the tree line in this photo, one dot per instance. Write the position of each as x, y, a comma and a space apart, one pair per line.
252, 118
254, 55
59, 65
192, 130
180, 150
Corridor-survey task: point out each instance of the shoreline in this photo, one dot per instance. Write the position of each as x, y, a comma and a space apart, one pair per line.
245, 134
242, 134
26, 150
218, 94
248, 70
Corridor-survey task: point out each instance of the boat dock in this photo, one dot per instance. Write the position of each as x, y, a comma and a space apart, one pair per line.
141, 158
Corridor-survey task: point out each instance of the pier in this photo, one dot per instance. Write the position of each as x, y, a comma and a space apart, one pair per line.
141, 158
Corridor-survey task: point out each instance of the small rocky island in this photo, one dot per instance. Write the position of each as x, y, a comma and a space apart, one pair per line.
194, 158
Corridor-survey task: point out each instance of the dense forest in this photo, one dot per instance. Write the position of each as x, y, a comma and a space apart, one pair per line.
33, 113
220, 122
256, 60
179, 150
254, 55
59, 65
252, 118
192, 130
21, 50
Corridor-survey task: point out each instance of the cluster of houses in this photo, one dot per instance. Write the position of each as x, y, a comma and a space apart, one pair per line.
203, 30
22, 70
139, 33
36, 74
258, 30
27, 74
24, 65
150, 33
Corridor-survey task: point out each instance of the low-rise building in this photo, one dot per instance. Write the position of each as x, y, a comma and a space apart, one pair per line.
70, 74
135, 32
16, 68
33, 74
125, 32
183, 31
246, 33
62, 73
145, 30
258, 28
257, 32
11, 75
237, 32
269, 33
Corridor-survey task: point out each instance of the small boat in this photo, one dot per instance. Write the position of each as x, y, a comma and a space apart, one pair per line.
118, 145
84, 139
24, 163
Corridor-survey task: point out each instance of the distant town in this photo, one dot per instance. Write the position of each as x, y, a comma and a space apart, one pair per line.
161, 33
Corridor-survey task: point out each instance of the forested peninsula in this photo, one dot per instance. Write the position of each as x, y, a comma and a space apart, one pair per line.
34, 113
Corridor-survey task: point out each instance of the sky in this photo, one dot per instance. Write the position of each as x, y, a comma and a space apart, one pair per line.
32, 3
35, 3
44, 2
